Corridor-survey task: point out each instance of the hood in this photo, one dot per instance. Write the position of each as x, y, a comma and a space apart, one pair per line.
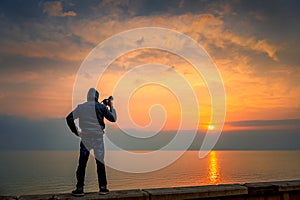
92, 95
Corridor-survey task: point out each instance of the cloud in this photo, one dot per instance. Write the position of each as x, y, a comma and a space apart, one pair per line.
74, 39
215, 33
252, 86
41, 93
63, 49
19, 133
2, 95
272, 139
55, 9
24, 77
208, 30
257, 45
257, 123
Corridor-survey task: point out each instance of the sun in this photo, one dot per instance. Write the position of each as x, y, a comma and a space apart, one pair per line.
211, 127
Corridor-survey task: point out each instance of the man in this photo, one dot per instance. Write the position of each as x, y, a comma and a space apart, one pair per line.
91, 116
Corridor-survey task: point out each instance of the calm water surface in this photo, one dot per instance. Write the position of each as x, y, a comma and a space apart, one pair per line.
54, 171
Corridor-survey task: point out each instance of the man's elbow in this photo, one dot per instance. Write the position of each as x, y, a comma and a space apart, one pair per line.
69, 117
112, 117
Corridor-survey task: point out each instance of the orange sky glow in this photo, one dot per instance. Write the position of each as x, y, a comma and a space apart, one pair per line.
260, 81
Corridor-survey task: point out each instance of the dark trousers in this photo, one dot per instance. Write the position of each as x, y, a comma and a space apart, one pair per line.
80, 173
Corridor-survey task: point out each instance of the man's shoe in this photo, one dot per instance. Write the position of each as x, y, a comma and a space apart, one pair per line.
78, 192
103, 190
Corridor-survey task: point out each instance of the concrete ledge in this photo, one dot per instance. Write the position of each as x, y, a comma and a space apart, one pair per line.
272, 187
121, 194
280, 190
284, 186
261, 188
197, 192
7, 198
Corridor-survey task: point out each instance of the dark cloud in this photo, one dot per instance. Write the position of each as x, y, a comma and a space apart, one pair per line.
259, 140
257, 123
53, 134
19, 10
277, 20
55, 8
21, 64
22, 134
140, 41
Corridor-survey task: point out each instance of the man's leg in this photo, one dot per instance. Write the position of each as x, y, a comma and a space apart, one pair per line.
99, 156
101, 174
83, 158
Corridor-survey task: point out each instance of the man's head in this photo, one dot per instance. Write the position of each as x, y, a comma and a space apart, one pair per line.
92, 95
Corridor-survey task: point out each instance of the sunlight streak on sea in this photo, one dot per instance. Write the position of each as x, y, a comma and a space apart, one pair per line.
37, 172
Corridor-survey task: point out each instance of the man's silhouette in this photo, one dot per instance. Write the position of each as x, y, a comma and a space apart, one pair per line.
91, 116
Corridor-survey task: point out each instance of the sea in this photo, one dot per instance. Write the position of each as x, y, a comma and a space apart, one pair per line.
53, 172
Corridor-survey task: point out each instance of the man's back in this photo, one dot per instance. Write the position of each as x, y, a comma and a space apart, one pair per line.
91, 115
87, 115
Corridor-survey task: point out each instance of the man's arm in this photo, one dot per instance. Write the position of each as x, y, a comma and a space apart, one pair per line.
110, 114
71, 124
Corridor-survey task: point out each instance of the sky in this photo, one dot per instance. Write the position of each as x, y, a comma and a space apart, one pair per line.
254, 44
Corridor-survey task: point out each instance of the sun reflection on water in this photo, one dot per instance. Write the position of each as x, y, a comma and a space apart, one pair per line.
213, 168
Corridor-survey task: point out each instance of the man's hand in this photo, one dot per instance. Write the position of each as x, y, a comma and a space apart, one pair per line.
110, 103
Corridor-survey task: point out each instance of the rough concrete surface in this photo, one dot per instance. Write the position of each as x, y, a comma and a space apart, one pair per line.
278, 190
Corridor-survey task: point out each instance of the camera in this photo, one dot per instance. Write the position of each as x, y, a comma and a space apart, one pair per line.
107, 101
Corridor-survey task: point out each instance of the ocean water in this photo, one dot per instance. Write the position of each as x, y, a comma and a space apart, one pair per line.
40, 172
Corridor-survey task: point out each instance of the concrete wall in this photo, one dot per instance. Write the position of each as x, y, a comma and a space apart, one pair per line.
281, 190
